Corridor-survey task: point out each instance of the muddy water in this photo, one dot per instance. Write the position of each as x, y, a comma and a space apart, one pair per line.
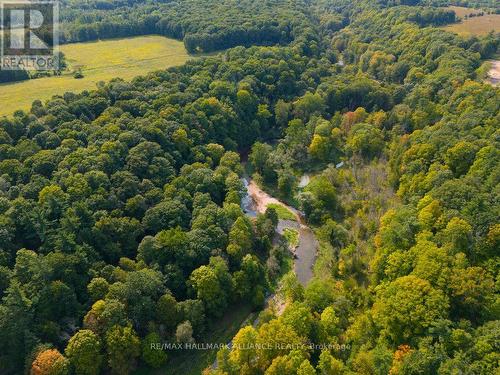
304, 181
306, 255
494, 73
256, 201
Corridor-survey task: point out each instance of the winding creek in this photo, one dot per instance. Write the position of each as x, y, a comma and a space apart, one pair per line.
257, 200
254, 202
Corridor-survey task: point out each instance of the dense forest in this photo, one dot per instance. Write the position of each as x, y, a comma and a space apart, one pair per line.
214, 25
411, 279
120, 208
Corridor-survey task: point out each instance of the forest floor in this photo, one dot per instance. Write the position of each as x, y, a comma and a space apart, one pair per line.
193, 362
98, 61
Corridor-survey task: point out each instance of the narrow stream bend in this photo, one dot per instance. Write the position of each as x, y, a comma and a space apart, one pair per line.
256, 201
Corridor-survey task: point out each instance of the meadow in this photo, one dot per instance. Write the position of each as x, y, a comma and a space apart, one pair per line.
478, 25
98, 61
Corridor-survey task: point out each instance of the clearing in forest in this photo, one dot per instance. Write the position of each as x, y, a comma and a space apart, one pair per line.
98, 61
476, 25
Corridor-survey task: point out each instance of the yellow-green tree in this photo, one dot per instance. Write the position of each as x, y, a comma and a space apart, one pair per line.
122, 348
84, 353
407, 307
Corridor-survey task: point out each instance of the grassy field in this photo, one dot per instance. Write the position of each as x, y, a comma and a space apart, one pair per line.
98, 61
475, 25
462, 11
283, 212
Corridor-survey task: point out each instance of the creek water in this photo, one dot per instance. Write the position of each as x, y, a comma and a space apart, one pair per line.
304, 181
494, 73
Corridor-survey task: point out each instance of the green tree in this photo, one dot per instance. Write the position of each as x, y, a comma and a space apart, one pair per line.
153, 356
84, 353
16, 316
472, 293
290, 287
209, 289
276, 339
215, 152
320, 293
167, 311
328, 365
458, 233
366, 140
329, 325
98, 288
122, 348
105, 314
194, 312
259, 159
53, 201
280, 366
460, 157
244, 353
306, 368
299, 318
165, 215
286, 183
320, 148
57, 301
309, 105
240, 239
407, 307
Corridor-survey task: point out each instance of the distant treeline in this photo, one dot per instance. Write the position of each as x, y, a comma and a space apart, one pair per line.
13, 75
490, 5
432, 16
23, 75
199, 23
